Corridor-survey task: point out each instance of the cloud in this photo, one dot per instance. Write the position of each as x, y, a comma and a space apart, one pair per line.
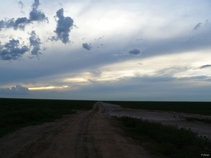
12, 50
36, 15
96, 73
20, 3
17, 89
197, 26
1, 24
36, 4
20, 23
134, 51
205, 66
64, 25
207, 23
86, 46
35, 43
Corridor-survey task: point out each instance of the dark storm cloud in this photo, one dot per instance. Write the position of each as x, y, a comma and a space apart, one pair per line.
64, 25
86, 46
12, 50
17, 89
134, 51
20, 23
205, 66
35, 43
197, 26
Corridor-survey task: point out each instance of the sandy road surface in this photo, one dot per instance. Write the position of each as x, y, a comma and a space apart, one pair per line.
87, 134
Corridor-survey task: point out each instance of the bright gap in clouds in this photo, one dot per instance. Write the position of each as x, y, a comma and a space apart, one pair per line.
176, 66
183, 65
47, 88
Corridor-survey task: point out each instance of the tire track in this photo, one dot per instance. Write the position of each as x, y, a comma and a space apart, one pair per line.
86, 134
85, 147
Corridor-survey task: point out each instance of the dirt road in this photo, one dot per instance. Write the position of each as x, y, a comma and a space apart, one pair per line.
86, 134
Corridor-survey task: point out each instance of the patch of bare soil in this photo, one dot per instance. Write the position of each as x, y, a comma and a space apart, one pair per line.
86, 134
172, 118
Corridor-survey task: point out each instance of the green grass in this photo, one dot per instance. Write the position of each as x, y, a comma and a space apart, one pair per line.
18, 113
186, 107
166, 139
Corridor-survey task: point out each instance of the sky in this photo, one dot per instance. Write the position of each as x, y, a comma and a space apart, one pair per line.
154, 50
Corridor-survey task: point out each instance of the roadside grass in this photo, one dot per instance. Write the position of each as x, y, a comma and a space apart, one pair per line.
193, 119
18, 113
203, 108
168, 140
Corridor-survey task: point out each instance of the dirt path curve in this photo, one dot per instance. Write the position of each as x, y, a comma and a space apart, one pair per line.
87, 134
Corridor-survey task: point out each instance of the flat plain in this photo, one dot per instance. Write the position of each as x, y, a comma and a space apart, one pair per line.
62, 128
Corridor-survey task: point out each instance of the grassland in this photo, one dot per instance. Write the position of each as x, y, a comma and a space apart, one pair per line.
193, 119
186, 107
166, 139
18, 113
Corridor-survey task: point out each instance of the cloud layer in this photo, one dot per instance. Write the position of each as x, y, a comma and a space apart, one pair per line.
205, 66
17, 89
138, 50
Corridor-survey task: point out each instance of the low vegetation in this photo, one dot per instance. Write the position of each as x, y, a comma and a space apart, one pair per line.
17, 113
166, 139
193, 119
203, 108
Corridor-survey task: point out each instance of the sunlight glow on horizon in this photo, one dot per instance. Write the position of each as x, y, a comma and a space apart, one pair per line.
47, 88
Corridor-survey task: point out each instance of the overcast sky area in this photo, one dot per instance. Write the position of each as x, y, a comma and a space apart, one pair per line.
154, 50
